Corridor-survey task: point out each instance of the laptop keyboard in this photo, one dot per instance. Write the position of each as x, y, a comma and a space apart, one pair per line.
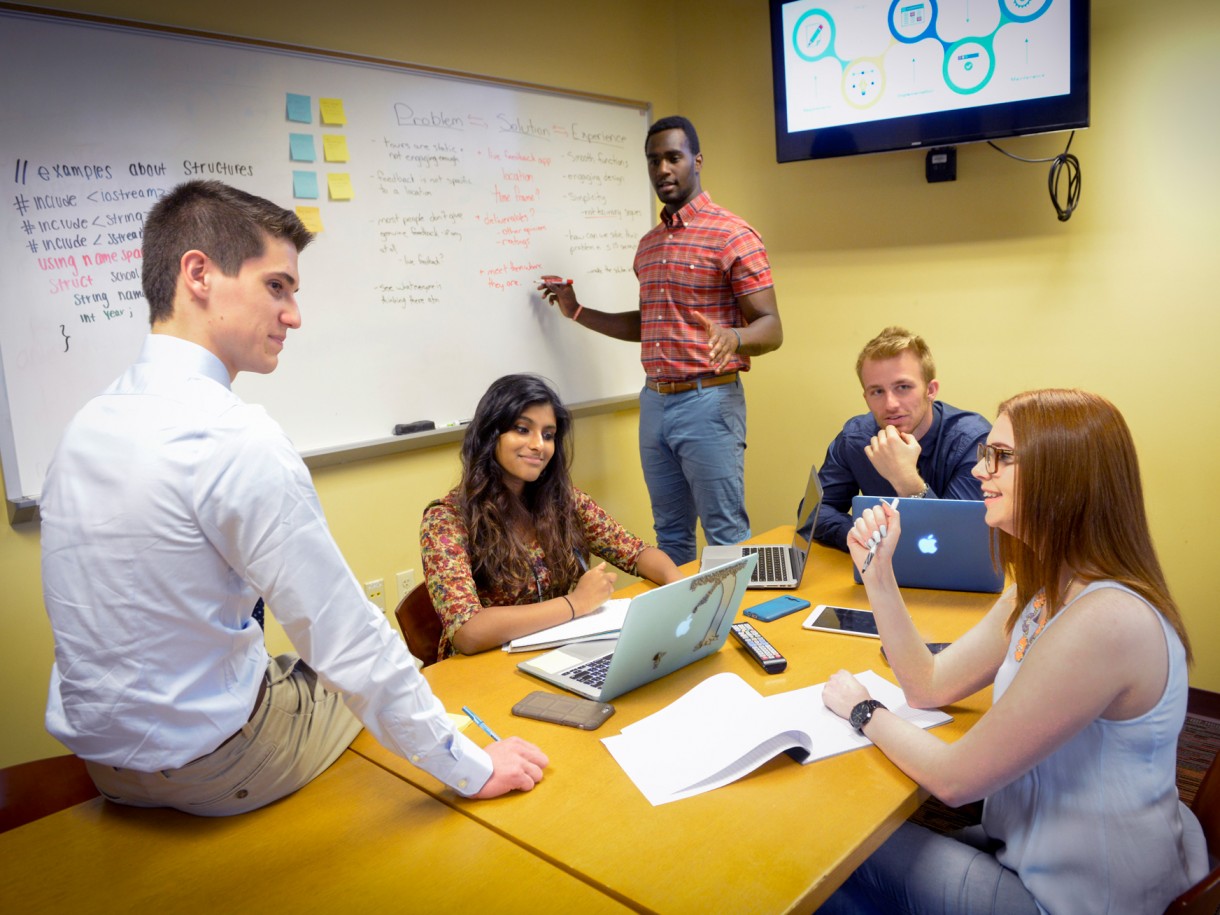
772, 562
591, 673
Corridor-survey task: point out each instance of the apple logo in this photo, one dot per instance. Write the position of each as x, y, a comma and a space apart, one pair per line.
927, 544
683, 627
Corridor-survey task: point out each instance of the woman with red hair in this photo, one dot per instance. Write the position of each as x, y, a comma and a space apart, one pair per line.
1087, 654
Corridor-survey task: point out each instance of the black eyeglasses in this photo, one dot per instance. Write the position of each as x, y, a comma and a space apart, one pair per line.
993, 455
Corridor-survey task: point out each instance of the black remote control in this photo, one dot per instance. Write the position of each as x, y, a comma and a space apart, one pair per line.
759, 648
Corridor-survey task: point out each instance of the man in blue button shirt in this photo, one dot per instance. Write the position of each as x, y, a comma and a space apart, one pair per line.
171, 507
909, 444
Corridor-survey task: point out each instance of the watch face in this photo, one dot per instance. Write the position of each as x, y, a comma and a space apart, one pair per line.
862, 714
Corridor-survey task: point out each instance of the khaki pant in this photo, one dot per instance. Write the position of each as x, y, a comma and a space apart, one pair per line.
297, 731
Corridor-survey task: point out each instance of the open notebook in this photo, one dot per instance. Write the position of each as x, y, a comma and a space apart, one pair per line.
723, 729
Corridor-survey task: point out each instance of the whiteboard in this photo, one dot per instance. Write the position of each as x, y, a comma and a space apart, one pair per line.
419, 289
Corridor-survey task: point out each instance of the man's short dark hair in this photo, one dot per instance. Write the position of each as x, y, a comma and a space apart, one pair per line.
228, 225
676, 122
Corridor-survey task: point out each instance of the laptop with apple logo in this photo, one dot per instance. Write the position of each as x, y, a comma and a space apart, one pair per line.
664, 630
945, 545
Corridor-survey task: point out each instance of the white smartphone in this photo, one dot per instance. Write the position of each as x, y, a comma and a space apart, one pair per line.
844, 620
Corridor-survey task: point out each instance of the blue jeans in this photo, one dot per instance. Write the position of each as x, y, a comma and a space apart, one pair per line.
917, 870
692, 448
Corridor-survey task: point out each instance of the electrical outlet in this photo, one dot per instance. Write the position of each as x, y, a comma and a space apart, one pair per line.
375, 590
406, 581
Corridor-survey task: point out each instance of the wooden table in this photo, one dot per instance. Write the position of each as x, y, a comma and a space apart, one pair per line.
782, 838
356, 837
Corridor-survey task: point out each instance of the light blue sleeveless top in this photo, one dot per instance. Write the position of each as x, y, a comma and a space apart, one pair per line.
1097, 827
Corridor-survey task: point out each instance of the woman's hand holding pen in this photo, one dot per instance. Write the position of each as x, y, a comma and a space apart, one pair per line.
872, 538
593, 589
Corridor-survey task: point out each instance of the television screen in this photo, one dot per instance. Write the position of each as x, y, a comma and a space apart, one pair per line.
865, 76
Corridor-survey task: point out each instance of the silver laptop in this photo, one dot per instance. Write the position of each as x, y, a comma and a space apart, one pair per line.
780, 565
945, 544
664, 630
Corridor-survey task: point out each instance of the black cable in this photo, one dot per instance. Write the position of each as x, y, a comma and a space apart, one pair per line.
1063, 163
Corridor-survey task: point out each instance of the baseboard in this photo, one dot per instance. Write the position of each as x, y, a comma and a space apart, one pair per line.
1203, 704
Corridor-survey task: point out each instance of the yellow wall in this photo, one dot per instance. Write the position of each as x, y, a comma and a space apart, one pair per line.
1115, 300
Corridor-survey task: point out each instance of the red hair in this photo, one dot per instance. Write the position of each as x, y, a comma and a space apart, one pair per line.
1079, 503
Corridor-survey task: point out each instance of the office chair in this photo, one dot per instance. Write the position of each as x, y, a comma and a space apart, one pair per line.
32, 790
1204, 897
419, 624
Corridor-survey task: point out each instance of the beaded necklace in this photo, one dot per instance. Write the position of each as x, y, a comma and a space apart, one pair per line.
1037, 605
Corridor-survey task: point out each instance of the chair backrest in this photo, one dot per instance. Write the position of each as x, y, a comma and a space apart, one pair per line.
419, 624
32, 790
1206, 806
1204, 897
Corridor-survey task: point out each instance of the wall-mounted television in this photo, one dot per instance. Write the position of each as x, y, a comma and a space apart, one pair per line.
866, 76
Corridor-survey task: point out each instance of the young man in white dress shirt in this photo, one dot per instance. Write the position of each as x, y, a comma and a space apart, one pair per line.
171, 507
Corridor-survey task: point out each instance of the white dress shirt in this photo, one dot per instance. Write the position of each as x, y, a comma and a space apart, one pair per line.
169, 507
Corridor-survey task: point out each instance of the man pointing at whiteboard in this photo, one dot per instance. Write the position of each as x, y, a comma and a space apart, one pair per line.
707, 304
171, 507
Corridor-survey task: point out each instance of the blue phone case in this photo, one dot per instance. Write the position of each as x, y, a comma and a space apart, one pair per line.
776, 607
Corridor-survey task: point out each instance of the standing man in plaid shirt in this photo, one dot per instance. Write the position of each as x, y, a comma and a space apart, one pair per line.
707, 304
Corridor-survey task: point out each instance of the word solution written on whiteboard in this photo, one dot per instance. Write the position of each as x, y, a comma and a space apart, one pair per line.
439, 200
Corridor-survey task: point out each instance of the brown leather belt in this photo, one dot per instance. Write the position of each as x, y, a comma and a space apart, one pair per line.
681, 387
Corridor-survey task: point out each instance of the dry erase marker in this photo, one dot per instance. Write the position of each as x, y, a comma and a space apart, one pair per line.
479, 721
553, 280
422, 425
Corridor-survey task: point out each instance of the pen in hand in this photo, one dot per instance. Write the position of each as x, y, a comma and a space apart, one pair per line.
479, 721
875, 540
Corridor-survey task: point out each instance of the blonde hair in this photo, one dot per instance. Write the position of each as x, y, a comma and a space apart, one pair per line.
894, 341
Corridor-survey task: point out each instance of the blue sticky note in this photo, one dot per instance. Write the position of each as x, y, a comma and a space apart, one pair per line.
305, 185
301, 145
300, 108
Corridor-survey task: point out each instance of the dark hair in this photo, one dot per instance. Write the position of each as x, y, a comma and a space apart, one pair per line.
489, 508
228, 225
1079, 502
676, 122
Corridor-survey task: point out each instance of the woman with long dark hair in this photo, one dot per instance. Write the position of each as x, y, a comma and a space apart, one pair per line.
508, 551
1087, 654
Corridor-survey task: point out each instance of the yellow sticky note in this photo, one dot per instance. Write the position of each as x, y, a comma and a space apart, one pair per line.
331, 110
312, 217
461, 722
340, 185
334, 147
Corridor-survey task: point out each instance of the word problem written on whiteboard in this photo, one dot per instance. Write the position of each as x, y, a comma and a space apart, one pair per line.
437, 201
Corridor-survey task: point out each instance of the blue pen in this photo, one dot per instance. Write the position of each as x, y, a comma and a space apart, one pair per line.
479, 721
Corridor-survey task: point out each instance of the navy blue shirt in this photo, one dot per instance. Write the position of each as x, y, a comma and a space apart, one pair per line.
948, 454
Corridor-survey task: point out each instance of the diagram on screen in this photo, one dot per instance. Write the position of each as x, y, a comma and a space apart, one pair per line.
854, 60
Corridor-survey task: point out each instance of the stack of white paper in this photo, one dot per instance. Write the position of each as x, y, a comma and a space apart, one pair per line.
603, 623
723, 729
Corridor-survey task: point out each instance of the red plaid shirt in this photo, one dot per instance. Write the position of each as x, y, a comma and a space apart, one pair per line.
701, 258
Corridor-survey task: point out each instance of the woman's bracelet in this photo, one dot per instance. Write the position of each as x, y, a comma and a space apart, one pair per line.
738, 336
570, 607
576, 313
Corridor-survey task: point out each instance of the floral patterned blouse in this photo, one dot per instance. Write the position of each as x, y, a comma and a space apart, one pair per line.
443, 543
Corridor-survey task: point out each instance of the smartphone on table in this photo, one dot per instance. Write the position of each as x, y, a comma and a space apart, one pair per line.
574, 711
775, 608
845, 620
